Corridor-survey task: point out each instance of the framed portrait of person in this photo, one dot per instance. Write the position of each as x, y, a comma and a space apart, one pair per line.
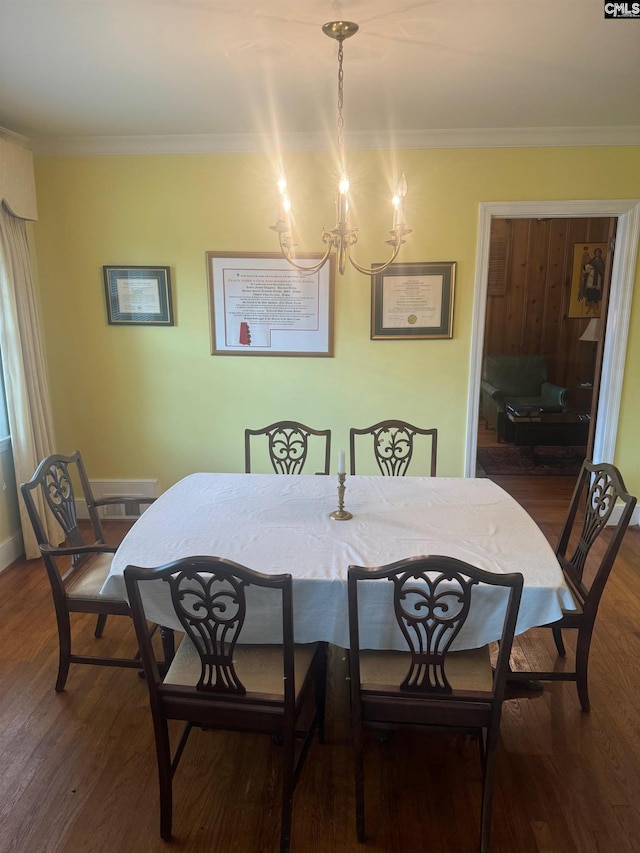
587, 279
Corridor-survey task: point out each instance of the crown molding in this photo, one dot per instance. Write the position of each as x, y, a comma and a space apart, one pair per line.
524, 137
16, 138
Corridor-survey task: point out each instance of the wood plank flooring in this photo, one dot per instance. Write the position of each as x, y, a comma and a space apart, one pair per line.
78, 768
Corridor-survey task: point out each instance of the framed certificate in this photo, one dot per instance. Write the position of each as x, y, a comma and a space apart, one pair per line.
261, 305
413, 300
138, 296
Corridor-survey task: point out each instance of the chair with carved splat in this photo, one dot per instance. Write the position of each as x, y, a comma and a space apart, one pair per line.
288, 446
393, 446
77, 569
428, 684
217, 682
599, 493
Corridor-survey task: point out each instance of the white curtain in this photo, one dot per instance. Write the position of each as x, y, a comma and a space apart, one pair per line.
28, 402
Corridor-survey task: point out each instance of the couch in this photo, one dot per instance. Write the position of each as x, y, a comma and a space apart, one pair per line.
517, 380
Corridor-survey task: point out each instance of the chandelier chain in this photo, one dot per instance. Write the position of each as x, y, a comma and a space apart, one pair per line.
340, 105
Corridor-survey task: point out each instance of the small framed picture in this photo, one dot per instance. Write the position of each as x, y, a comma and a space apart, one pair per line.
138, 296
587, 279
413, 301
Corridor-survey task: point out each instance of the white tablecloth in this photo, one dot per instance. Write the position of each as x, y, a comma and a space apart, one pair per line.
280, 523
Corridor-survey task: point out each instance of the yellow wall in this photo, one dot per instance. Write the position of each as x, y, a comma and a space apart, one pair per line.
153, 402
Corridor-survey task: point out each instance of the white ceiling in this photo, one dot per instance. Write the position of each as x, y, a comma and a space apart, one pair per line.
84, 75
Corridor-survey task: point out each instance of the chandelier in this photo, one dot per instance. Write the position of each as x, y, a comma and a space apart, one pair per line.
341, 238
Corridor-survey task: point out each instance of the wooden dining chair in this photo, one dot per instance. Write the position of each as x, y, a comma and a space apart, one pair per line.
428, 684
218, 683
77, 569
393, 444
600, 503
288, 445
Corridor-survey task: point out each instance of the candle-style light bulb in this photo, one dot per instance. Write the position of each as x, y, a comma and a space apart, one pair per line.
398, 203
343, 198
284, 204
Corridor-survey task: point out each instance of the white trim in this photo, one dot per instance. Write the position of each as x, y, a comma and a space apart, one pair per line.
10, 550
9, 135
203, 143
617, 512
618, 314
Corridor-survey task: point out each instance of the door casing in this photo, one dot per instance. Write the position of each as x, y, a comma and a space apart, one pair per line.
627, 212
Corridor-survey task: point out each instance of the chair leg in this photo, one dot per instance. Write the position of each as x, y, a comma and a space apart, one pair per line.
100, 623
488, 772
165, 777
557, 636
359, 778
168, 644
321, 694
582, 665
288, 757
64, 651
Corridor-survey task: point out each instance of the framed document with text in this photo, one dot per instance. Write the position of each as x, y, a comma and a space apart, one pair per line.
413, 301
138, 296
261, 305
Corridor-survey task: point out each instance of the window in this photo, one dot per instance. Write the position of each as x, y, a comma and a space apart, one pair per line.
4, 420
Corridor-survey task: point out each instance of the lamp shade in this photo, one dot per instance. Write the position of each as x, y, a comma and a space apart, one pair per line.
592, 332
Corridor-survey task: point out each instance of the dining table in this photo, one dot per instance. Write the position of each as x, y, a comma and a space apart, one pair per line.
276, 523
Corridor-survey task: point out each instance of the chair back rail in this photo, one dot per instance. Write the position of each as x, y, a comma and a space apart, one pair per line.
393, 446
53, 479
288, 446
599, 493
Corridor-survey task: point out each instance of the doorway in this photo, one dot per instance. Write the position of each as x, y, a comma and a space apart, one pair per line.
627, 213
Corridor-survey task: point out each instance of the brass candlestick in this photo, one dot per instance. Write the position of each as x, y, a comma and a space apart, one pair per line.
340, 514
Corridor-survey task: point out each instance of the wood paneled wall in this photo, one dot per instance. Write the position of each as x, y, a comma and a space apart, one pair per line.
530, 265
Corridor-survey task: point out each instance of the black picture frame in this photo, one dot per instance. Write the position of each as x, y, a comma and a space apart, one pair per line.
413, 301
138, 295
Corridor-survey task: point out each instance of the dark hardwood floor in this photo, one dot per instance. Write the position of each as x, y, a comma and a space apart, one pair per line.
78, 768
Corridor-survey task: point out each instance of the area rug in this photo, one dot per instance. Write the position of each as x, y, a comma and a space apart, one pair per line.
542, 461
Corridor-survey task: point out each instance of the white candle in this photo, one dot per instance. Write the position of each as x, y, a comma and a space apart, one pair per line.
341, 462
284, 204
343, 203
398, 203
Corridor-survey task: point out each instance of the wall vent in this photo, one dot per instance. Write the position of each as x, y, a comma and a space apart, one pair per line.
133, 489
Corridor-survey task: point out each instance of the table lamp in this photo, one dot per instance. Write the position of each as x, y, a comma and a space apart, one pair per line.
591, 334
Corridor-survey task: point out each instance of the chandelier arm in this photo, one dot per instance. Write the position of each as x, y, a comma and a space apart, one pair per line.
286, 251
379, 269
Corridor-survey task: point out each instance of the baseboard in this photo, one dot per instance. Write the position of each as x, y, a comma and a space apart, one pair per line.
10, 550
617, 512
132, 489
